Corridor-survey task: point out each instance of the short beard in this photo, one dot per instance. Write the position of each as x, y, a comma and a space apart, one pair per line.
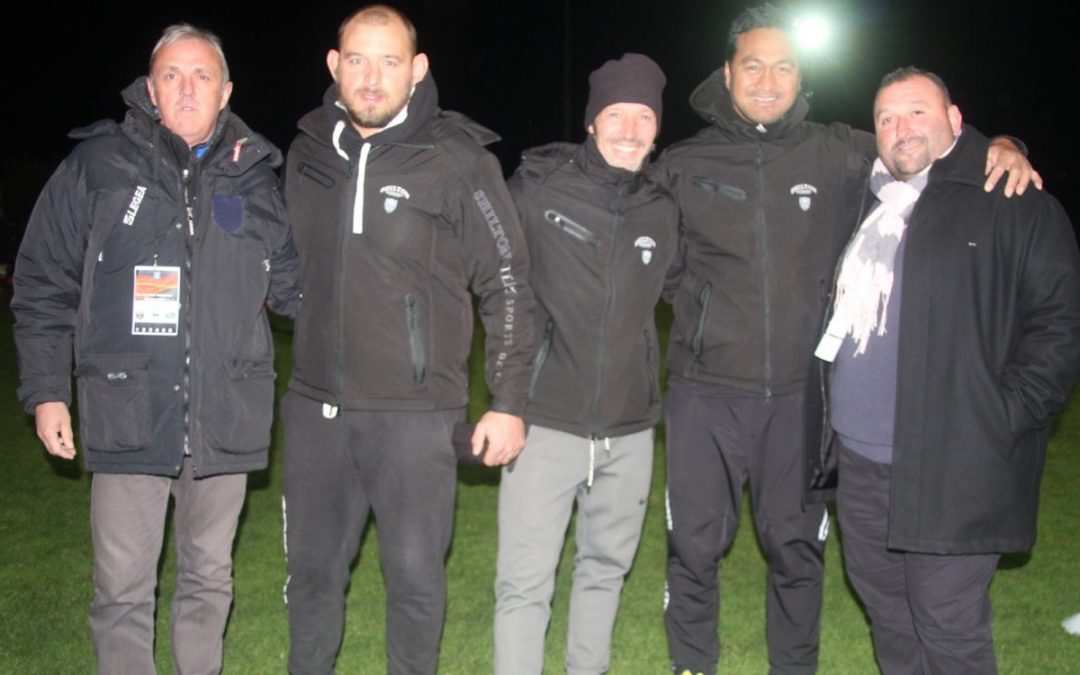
370, 119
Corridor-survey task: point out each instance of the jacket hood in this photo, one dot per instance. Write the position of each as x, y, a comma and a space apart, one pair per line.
543, 160
711, 100
323, 122
143, 126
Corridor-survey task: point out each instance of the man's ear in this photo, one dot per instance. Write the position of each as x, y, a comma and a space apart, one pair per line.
226, 92
419, 67
332, 58
956, 120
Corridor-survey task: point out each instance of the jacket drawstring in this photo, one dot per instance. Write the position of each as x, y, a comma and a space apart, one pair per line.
361, 170
592, 458
338, 128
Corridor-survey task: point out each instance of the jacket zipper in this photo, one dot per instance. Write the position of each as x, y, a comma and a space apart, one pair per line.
541, 356
766, 265
572, 228
346, 227
189, 242
416, 341
654, 393
697, 345
605, 313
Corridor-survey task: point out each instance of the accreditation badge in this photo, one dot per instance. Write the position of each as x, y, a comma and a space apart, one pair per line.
155, 307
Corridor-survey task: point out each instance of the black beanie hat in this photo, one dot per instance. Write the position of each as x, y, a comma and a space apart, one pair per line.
635, 78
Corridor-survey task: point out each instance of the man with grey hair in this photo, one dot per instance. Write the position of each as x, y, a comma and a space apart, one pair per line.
144, 272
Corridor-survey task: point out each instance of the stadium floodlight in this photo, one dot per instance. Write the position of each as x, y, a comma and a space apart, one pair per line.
812, 31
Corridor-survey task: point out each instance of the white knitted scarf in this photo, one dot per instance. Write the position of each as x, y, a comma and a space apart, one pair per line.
866, 274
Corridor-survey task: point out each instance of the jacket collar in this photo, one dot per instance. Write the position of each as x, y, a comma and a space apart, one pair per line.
323, 122
598, 170
142, 126
967, 161
711, 100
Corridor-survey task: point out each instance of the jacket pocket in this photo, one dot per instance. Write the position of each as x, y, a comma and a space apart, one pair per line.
729, 191
416, 339
114, 402
308, 171
241, 406
697, 344
650, 369
541, 356
572, 228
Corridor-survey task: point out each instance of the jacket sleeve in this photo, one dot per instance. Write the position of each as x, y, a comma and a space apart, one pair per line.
48, 286
497, 265
1044, 364
661, 172
284, 296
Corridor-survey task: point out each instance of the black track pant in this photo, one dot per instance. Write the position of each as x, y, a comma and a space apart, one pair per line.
398, 465
717, 440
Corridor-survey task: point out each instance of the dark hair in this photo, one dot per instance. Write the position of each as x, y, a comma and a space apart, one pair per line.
379, 15
752, 18
908, 72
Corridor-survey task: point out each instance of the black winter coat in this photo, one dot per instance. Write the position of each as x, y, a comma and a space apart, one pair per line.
122, 199
601, 241
989, 350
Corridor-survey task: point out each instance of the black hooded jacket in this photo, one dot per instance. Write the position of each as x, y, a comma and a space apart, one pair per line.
132, 194
601, 241
392, 231
766, 211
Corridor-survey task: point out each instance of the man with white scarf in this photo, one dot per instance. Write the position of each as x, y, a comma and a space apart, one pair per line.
955, 337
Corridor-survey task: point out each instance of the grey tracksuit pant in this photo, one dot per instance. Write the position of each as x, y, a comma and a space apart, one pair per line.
536, 497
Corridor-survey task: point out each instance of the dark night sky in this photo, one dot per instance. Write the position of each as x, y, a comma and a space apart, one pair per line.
1010, 66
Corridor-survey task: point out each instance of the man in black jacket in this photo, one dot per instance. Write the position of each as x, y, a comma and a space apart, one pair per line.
602, 233
955, 337
768, 199
149, 256
398, 212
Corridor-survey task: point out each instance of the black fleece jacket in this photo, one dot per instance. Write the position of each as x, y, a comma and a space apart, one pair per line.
765, 213
393, 231
601, 241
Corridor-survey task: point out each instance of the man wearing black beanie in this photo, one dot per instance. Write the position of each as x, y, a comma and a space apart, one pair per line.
602, 234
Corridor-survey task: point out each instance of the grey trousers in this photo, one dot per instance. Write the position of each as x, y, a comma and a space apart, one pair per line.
928, 613
127, 517
536, 497
719, 439
399, 465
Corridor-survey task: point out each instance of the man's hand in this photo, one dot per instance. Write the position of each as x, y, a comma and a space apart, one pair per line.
54, 428
504, 435
1005, 156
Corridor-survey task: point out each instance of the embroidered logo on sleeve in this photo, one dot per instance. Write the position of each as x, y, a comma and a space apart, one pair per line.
133, 206
394, 193
804, 191
646, 246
